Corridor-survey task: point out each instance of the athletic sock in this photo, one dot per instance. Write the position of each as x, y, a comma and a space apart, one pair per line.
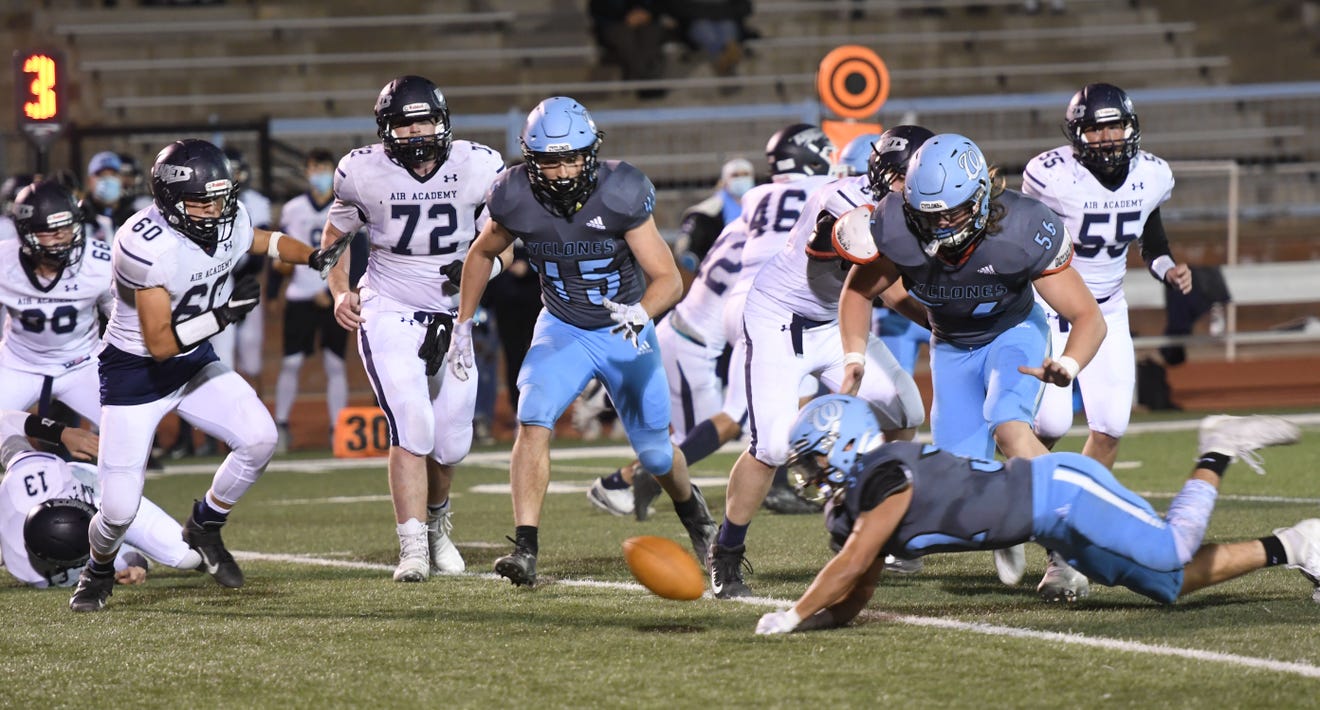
732, 535
204, 512
524, 536
689, 507
100, 569
702, 441
435, 511
614, 481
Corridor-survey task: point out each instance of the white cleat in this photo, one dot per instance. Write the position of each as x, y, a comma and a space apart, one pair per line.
414, 558
902, 565
445, 558
1240, 437
1061, 582
1301, 543
613, 501
1011, 564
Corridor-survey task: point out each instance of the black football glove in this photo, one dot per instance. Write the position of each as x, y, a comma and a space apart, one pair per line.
821, 245
323, 260
453, 271
436, 343
245, 296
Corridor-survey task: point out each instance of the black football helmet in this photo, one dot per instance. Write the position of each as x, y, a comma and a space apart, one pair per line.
46, 206
1099, 105
192, 169
799, 148
407, 99
55, 534
890, 154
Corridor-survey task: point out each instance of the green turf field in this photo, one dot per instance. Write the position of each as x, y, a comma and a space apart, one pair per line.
320, 623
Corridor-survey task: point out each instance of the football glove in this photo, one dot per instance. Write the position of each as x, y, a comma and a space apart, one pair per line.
453, 273
821, 246
631, 320
778, 622
464, 360
436, 342
323, 260
245, 296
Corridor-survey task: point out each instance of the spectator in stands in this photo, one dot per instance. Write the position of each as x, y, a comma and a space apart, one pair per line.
715, 27
630, 35
136, 193
308, 314
703, 222
104, 190
1033, 6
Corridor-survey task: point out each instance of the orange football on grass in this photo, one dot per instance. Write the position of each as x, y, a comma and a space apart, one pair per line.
664, 567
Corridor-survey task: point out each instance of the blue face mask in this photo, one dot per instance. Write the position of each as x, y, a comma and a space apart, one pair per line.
107, 190
321, 182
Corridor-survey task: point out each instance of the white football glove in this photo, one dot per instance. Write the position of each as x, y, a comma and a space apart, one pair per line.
461, 358
778, 622
631, 319
852, 236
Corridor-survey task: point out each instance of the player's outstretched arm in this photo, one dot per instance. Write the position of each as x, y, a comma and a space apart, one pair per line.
664, 285
1067, 294
864, 283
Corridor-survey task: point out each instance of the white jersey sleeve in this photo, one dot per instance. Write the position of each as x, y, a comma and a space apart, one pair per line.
1103, 222
148, 253
416, 226
303, 220
52, 326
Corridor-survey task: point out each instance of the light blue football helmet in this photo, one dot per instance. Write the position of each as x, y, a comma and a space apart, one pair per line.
856, 156
559, 128
826, 443
946, 197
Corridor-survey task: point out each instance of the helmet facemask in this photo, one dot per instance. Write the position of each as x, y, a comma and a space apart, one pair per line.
949, 231
563, 195
413, 151
1105, 156
207, 231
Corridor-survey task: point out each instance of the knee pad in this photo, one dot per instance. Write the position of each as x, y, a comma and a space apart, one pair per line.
657, 460
258, 443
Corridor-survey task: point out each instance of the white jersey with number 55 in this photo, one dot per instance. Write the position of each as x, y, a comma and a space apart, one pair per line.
417, 225
148, 253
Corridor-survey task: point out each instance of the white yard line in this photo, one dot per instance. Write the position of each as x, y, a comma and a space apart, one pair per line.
1266, 664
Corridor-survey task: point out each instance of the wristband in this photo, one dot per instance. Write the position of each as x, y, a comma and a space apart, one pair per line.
1069, 366
192, 332
47, 430
273, 247
854, 359
496, 266
1160, 266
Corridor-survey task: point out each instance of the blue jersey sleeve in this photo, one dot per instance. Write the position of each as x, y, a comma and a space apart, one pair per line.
628, 193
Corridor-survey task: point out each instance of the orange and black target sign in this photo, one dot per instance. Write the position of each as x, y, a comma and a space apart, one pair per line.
853, 82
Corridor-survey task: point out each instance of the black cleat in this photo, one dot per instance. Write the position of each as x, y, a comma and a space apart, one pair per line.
701, 527
519, 567
216, 560
92, 592
645, 490
784, 501
726, 565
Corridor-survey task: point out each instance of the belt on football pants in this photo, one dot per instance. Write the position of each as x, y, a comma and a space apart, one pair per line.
799, 324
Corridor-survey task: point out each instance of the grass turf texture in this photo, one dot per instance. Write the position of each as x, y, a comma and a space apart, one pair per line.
309, 635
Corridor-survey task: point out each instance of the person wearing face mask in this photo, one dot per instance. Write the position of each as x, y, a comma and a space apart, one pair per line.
702, 223
104, 193
308, 316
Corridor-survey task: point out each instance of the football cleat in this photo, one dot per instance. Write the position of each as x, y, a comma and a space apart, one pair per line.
445, 558
899, 565
1240, 437
414, 553
1301, 543
1061, 582
216, 560
615, 501
726, 565
782, 500
645, 489
519, 567
701, 527
1011, 564
92, 592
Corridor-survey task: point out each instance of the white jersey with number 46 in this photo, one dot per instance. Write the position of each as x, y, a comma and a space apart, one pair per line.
416, 225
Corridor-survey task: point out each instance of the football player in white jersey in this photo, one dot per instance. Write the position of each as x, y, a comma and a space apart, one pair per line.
55, 284
173, 291
46, 505
791, 330
1108, 192
307, 303
421, 195
799, 158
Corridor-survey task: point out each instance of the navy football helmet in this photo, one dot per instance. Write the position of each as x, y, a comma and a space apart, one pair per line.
405, 100
826, 443
799, 148
889, 159
1095, 106
946, 196
44, 207
196, 171
55, 535
559, 129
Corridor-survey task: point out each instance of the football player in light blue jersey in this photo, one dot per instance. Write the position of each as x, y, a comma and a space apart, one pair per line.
971, 252
905, 498
604, 270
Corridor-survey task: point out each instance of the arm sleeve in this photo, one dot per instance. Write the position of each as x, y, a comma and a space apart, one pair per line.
1155, 246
